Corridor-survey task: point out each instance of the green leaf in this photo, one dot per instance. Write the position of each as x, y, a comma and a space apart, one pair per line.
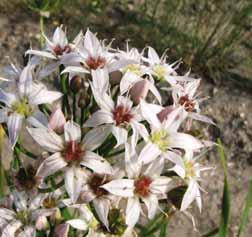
225, 213
246, 210
164, 229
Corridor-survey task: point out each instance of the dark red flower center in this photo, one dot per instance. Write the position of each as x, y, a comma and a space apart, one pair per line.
142, 186
95, 63
187, 103
95, 184
58, 50
122, 115
73, 151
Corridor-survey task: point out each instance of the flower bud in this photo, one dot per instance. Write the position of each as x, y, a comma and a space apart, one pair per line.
57, 121
163, 114
84, 99
62, 230
139, 90
42, 223
115, 77
76, 84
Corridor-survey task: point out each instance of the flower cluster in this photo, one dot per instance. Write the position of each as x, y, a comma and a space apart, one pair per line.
113, 151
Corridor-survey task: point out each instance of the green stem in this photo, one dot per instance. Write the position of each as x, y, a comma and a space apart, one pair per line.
74, 107
41, 23
23, 150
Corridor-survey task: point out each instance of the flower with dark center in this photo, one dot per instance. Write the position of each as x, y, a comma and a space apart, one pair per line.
58, 50
142, 186
122, 115
95, 63
187, 103
49, 202
95, 184
73, 152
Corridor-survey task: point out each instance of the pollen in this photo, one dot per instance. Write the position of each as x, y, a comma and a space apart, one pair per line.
122, 115
160, 71
22, 107
134, 68
142, 186
95, 63
190, 171
161, 139
73, 152
187, 103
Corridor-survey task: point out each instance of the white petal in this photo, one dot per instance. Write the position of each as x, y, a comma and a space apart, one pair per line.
11, 228
59, 37
173, 157
140, 129
91, 43
47, 138
184, 141
98, 118
102, 206
7, 214
51, 165
179, 170
75, 70
155, 168
72, 131
151, 203
160, 185
3, 116
149, 153
132, 211
132, 166
119, 64
78, 224
14, 124
128, 80
7, 98
120, 187
155, 92
190, 195
120, 134
153, 56
202, 118
38, 120
95, 137
48, 70
149, 115
29, 231
96, 163
100, 78
74, 181
41, 53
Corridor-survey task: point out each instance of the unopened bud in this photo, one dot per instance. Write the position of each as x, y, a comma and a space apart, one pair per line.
76, 84
42, 223
84, 99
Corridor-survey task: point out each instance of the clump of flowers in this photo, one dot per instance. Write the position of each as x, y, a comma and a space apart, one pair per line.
106, 152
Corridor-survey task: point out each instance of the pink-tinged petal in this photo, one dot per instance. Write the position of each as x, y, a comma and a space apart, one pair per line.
95, 137
184, 141
57, 120
201, 118
25, 80
47, 139
121, 135
161, 185
51, 165
100, 78
78, 224
163, 114
74, 181
149, 153
151, 203
190, 195
72, 131
128, 80
7, 98
14, 125
96, 163
102, 207
139, 90
153, 56
41, 53
149, 115
29, 231
41, 223
62, 230
120, 187
133, 211
11, 228
98, 118
75, 70
38, 120
59, 37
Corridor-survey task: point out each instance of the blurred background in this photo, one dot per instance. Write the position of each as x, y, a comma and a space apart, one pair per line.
214, 39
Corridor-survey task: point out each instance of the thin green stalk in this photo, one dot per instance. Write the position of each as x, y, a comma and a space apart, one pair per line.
23, 150
41, 23
74, 107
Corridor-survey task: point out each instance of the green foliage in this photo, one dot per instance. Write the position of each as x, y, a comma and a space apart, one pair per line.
44, 5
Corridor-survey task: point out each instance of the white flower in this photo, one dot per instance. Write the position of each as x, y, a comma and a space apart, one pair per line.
186, 97
164, 136
24, 215
190, 171
93, 55
70, 153
119, 115
23, 104
142, 184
